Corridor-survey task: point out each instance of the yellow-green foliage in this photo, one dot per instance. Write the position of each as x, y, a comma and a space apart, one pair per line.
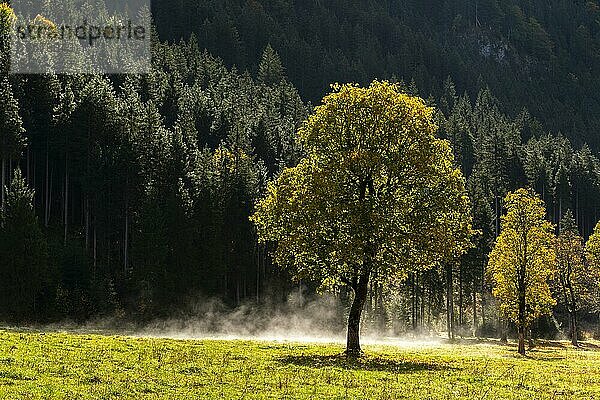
574, 276
523, 258
375, 182
7, 17
61, 366
7, 14
592, 249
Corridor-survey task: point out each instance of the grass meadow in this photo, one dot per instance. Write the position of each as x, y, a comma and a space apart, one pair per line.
52, 365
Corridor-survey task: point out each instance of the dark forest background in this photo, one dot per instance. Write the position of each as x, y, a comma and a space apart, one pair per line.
130, 195
539, 54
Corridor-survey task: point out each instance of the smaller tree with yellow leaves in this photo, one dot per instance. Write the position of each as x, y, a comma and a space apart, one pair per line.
574, 273
592, 250
523, 261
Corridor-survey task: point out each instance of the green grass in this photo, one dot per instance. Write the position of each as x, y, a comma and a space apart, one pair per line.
35, 365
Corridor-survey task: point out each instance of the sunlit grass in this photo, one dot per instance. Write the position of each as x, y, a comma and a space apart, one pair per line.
36, 365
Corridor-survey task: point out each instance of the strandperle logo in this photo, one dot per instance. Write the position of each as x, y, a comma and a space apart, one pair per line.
74, 37
84, 32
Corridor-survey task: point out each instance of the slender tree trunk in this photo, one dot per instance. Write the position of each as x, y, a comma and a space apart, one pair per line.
95, 253
360, 297
423, 298
370, 303
429, 310
573, 327
460, 301
412, 302
86, 217
50, 193
66, 202
483, 298
497, 214
474, 312
503, 330
33, 174
416, 301
560, 213
126, 244
3, 167
126, 241
28, 167
521, 340
47, 202
572, 307
257, 273
244, 286
521, 324
449, 302
418, 295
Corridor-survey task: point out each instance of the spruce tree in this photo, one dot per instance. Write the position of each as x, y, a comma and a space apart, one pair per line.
270, 69
23, 254
11, 130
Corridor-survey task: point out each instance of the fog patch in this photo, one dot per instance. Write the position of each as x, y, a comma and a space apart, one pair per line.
301, 319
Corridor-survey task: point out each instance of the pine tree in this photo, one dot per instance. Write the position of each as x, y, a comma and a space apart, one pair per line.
23, 254
11, 130
270, 69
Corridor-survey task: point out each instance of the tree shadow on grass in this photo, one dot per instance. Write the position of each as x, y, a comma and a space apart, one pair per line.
364, 363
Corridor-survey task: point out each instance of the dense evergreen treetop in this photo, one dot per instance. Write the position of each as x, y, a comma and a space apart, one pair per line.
532, 53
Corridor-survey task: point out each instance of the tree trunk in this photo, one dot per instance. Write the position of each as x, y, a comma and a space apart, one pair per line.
86, 205
521, 340
237, 290
126, 238
66, 199
474, 312
381, 312
460, 302
449, 302
257, 273
360, 297
95, 253
422, 305
28, 161
126, 244
573, 328
483, 298
522, 315
3, 166
503, 330
413, 296
50, 194
47, 202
